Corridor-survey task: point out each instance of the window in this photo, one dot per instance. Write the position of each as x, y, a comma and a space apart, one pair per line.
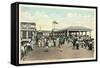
23, 34
29, 34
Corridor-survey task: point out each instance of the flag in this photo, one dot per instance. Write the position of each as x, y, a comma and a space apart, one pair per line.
55, 22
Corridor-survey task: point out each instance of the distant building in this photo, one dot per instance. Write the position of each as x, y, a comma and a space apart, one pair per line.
72, 30
27, 31
43, 33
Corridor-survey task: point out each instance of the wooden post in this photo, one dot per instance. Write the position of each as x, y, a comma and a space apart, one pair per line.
85, 33
90, 33
67, 33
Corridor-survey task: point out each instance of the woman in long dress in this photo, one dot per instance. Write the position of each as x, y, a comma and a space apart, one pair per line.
39, 43
46, 43
49, 43
57, 42
52, 44
77, 44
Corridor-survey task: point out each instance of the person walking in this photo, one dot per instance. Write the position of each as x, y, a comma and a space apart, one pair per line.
46, 43
74, 43
49, 42
57, 41
90, 45
77, 45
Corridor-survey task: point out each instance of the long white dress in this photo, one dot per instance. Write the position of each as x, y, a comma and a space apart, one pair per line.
49, 43
32, 44
39, 43
57, 41
52, 44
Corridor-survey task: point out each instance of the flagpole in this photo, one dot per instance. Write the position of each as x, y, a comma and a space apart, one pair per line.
53, 27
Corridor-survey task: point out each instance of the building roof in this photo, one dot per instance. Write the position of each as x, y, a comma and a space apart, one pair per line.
44, 31
75, 28
32, 23
78, 28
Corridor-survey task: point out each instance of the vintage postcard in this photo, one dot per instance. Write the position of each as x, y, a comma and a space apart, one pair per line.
56, 33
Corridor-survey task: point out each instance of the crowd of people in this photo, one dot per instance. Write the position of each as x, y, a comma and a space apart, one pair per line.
77, 41
82, 41
50, 42
47, 42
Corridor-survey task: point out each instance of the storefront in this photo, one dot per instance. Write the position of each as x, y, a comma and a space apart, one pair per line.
27, 31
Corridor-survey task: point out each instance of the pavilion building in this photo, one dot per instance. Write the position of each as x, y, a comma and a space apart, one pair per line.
72, 30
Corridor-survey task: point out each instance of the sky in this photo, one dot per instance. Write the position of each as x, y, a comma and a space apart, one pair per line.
43, 16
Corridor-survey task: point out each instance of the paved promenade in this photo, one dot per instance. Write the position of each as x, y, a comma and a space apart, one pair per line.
66, 52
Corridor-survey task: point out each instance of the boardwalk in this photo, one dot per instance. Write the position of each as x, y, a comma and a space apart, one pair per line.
66, 52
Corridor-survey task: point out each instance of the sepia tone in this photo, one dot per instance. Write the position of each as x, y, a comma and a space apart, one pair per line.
40, 40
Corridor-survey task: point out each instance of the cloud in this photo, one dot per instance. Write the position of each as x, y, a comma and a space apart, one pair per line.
44, 20
40, 18
26, 17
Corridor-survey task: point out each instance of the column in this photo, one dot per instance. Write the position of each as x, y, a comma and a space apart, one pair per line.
26, 34
67, 33
90, 33
85, 33
82, 33
33, 35
79, 33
